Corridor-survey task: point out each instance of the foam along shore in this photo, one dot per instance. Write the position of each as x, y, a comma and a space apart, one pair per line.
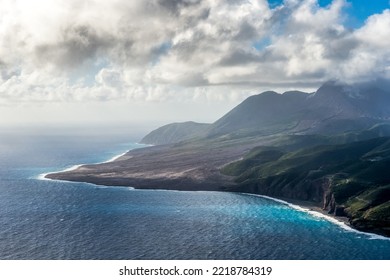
303, 206
43, 175
115, 157
74, 167
322, 214
160, 167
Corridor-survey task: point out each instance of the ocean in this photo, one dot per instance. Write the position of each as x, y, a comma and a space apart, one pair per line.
45, 219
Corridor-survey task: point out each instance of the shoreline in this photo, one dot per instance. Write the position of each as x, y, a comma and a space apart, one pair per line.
318, 212
43, 177
120, 155
304, 206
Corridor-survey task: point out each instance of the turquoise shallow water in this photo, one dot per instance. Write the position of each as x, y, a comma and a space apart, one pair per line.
61, 220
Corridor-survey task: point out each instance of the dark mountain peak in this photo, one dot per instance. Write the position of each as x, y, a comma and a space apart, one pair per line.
262, 97
361, 100
267, 94
273, 98
330, 88
260, 111
295, 111
363, 90
295, 93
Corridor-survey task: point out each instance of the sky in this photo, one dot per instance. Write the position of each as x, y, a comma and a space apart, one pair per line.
158, 61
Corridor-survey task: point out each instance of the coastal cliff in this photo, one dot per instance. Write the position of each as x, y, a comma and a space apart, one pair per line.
349, 180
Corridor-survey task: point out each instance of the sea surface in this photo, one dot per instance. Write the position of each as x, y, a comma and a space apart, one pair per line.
44, 219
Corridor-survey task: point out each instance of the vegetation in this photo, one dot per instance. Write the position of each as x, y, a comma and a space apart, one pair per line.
355, 175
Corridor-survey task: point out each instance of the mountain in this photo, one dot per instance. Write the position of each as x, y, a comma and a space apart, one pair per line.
352, 101
268, 111
334, 108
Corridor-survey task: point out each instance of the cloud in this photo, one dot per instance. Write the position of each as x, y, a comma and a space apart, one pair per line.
370, 58
166, 50
109, 78
375, 31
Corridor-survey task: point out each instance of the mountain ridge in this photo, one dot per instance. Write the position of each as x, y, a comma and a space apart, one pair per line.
291, 112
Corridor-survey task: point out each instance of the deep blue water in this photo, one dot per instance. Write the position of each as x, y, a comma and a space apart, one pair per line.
61, 220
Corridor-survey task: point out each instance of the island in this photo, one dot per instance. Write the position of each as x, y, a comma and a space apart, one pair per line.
328, 150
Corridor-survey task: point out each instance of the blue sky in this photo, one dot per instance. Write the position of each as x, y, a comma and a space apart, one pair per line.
360, 10
167, 60
357, 10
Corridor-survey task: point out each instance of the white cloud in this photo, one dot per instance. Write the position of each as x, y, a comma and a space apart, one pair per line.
371, 56
179, 50
375, 32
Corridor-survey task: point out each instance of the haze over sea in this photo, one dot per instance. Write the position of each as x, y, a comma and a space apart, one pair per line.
44, 219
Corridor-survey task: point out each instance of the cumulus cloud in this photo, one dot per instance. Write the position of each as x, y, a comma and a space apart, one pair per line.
372, 56
161, 50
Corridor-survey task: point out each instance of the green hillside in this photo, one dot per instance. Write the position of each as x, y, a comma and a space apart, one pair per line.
353, 177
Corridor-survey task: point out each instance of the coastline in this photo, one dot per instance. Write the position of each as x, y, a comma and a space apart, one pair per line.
181, 184
298, 205
114, 158
43, 177
318, 212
